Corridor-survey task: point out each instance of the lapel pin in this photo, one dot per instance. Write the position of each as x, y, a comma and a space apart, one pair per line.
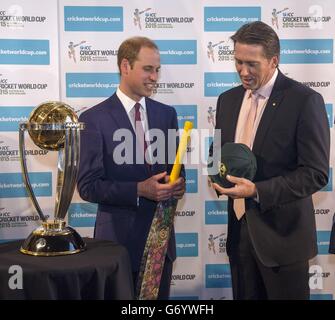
274, 104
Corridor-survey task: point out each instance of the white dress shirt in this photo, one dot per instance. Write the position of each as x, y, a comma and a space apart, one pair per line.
129, 104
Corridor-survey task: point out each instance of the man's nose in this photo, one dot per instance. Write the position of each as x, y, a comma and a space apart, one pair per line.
154, 76
243, 70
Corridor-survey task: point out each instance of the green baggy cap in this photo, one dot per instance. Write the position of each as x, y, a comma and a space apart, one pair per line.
236, 159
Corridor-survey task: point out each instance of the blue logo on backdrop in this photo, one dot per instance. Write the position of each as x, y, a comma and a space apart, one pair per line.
12, 186
177, 51
186, 113
187, 244
23, 51
323, 239
216, 212
10, 117
82, 214
321, 296
229, 18
306, 51
329, 109
91, 84
218, 82
93, 18
329, 186
191, 180
218, 276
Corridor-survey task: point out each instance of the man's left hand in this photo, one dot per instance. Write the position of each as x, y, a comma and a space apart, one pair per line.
243, 188
179, 187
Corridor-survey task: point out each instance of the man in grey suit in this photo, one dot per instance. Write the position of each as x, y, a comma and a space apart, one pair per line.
127, 194
271, 223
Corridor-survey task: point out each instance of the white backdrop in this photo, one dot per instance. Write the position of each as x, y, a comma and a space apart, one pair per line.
58, 50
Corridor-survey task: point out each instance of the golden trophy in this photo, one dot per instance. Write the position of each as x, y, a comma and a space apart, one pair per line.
54, 126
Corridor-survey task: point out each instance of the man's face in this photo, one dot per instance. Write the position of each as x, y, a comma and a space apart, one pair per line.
140, 80
254, 69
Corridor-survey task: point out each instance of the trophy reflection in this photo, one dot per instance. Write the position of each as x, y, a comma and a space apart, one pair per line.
54, 126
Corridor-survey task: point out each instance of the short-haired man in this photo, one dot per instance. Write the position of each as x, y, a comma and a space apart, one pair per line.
127, 194
271, 223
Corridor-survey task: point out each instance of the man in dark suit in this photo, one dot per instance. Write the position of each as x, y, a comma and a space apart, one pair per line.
271, 223
127, 193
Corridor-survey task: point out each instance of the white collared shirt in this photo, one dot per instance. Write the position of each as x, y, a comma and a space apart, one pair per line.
129, 104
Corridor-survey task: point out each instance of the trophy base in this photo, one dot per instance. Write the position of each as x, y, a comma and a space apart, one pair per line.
53, 239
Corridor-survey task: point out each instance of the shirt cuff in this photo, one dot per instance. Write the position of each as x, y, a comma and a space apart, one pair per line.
256, 198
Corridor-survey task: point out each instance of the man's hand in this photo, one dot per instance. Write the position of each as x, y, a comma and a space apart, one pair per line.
243, 188
154, 190
179, 187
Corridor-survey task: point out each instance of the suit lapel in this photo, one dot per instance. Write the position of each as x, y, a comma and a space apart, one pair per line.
152, 124
230, 117
151, 114
119, 114
270, 110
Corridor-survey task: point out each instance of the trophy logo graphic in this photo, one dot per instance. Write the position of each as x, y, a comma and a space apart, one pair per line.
54, 126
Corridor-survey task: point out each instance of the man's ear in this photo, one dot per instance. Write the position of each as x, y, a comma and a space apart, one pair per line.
125, 66
275, 61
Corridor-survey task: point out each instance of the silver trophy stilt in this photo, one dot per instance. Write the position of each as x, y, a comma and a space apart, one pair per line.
54, 126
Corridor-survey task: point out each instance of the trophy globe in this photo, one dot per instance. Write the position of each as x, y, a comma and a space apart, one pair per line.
54, 126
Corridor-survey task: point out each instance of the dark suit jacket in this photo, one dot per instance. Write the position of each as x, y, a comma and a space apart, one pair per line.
292, 150
114, 186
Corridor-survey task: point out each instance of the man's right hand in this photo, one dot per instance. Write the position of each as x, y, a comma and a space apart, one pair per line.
154, 190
